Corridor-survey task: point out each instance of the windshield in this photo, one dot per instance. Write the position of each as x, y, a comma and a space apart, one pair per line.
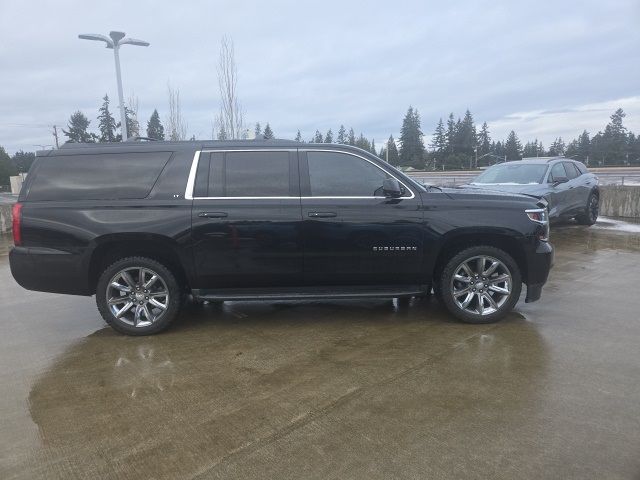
514, 173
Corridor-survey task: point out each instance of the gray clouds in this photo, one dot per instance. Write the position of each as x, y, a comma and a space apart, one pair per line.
306, 65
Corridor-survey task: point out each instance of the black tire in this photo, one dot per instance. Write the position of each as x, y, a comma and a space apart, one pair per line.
590, 215
445, 285
166, 279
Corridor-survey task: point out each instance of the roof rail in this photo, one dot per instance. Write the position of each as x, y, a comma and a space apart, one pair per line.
137, 138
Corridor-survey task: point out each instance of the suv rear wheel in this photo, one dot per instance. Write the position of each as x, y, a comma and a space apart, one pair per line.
480, 284
591, 211
138, 296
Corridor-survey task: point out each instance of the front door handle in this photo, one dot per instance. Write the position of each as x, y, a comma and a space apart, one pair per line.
323, 214
212, 214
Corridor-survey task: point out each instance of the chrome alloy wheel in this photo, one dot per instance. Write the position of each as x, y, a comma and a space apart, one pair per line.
137, 296
481, 285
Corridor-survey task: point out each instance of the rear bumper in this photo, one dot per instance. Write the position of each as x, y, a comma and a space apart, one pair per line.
539, 263
48, 270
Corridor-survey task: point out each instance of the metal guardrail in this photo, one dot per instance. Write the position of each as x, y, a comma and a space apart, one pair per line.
462, 178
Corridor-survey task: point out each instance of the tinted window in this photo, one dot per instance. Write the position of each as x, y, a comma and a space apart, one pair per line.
556, 172
255, 174
333, 174
572, 171
97, 177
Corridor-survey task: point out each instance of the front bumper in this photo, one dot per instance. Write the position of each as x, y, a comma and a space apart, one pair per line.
539, 263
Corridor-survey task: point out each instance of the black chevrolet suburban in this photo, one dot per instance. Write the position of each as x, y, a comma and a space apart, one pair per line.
143, 225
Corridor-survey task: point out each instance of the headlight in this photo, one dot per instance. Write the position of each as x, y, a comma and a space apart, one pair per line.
541, 217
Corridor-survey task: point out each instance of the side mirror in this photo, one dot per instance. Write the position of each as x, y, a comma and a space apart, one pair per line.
558, 180
391, 187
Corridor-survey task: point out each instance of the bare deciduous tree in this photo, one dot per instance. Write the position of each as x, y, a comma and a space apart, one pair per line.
229, 123
133, 128
176, 125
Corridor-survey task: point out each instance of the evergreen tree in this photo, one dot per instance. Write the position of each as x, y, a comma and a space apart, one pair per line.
268, 133
298, 137
439, 143
363, 143
394, 155
557, 148
373, 147
584, 146
77, 129
328, 137
351, 139
411, 145
342, 135
258, 130
155, 129
451, 134
7, 169
513, 147
467, 135
530, 149
106, 122
383, 154
484, 140
22, 160
317, 138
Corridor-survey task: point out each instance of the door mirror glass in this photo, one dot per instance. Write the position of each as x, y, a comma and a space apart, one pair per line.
391, 187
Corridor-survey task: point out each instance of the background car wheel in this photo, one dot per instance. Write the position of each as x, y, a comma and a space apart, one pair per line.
480, 284
138, 296
591, 211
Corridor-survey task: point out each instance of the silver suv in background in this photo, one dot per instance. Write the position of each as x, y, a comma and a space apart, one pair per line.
570, 190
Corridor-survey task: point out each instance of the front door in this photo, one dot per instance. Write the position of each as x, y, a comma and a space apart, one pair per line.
246, 219
353, 233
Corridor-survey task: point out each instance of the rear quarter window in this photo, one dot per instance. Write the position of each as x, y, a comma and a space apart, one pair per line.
107, 176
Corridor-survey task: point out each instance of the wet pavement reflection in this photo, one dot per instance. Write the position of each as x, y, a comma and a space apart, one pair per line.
341, 389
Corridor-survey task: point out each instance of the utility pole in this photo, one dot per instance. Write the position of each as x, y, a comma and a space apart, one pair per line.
117, 39
55, 135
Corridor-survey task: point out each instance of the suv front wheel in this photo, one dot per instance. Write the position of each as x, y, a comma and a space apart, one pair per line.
480, 284
138, 296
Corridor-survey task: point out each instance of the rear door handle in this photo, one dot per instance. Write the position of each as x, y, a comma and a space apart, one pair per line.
323, 214
212, 214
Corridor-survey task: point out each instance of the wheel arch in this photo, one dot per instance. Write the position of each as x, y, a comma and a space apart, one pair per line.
110, 248
459, 240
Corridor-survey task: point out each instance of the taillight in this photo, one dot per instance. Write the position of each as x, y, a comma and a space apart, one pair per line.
16, 224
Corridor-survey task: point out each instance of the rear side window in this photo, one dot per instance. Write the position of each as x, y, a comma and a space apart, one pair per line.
107, 176
244, 174
572, 171
581, 168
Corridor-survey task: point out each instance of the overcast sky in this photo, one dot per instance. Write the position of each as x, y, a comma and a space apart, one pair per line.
543, 68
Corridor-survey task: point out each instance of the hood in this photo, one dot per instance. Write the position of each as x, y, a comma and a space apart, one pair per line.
475, 192
531, 189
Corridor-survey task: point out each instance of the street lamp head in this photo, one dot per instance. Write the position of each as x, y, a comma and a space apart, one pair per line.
97, 37
116, 36
133, 41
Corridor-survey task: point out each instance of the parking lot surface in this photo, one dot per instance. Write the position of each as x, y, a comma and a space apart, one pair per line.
344, 389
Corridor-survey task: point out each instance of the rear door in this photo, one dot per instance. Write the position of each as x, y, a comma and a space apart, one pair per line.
353, 234
246, 219
578, 191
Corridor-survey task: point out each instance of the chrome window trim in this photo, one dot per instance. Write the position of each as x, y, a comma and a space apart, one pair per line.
188, 194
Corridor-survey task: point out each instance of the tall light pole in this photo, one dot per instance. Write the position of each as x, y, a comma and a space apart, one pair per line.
117, 39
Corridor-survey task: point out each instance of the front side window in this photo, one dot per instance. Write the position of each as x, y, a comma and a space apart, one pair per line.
335, 174
557, 171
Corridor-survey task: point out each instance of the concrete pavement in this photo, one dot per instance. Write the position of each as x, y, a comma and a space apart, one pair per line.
350, 389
